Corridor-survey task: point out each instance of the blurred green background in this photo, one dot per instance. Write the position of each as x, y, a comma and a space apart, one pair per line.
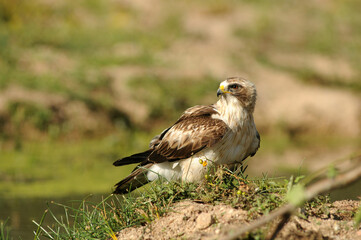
85, 82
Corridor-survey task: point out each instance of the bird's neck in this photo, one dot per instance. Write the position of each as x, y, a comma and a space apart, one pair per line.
233, 113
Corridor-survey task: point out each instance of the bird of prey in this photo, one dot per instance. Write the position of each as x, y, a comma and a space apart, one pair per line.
204, 136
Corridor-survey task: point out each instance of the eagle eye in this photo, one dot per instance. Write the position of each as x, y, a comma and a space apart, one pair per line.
234, 86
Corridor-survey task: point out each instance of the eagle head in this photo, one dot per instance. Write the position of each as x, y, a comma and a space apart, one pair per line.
240, 89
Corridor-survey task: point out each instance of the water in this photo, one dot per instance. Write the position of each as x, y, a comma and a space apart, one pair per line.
21, 212
352, 191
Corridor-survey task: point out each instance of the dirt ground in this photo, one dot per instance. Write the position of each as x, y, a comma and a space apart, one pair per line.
191, 220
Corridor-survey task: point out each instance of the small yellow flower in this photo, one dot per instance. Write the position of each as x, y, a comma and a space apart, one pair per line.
205, 163
239, 192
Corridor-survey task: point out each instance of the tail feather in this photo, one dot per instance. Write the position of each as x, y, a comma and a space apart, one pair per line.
135, 158
135, 180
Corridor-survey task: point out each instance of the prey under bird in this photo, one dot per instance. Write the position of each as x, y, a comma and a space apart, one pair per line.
220, 134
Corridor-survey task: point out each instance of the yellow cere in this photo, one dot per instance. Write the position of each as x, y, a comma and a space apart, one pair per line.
222, 89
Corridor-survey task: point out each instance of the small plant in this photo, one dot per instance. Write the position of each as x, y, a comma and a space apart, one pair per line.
4, 231
88, 220
357, 217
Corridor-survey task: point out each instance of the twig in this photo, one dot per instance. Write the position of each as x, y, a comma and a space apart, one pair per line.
280, 225
320, 187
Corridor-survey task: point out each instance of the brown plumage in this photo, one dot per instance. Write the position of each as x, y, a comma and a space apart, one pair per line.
223, 133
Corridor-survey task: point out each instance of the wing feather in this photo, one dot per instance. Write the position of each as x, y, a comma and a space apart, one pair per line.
195, 130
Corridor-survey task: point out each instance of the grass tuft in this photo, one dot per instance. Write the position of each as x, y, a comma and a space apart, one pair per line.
89, 220
4, 230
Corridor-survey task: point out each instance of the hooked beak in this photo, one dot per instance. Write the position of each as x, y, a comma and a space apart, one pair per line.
221, 90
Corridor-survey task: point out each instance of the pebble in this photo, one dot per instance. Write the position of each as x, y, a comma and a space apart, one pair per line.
336, 227
204, 220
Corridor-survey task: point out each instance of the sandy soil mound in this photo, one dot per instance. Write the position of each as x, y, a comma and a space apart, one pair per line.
190, 220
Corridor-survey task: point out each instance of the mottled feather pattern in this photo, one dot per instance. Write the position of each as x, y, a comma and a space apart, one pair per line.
198, 110
189, 135
223, 133
156, 140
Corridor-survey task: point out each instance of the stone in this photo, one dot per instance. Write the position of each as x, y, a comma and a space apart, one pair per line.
204, 220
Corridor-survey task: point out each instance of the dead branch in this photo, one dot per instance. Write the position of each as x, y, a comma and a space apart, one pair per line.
320, 187
285, 218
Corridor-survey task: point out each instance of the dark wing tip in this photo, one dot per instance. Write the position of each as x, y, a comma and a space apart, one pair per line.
117, 162
121, 190
135, 158
135, 180
129, 185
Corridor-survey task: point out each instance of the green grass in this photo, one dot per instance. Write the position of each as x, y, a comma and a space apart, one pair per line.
85, 219
4, 230
88, 220
101, 220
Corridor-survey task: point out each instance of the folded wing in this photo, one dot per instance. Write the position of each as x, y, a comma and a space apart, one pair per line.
196, 129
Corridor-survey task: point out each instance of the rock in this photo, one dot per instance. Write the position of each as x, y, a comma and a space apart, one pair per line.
204, 220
